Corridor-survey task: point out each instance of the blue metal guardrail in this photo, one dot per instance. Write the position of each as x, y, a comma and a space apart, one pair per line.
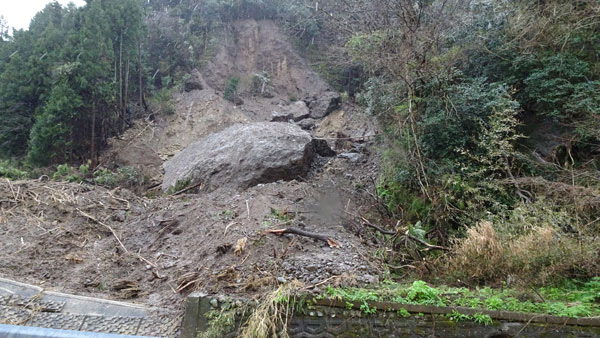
12, 331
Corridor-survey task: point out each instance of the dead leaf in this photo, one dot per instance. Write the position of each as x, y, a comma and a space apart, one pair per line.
240, 246
73, 258
332, 243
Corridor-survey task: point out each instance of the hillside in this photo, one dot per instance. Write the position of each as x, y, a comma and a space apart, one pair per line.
151, 149
64, 235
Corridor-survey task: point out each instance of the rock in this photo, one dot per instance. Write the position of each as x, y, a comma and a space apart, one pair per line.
238, 101
299, 111
281, 280
307, 124
214, 303
281, 117
243, 156
325, 104
193, 83
296, 111
323, 149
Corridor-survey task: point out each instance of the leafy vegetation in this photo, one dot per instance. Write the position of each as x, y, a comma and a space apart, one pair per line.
489, 112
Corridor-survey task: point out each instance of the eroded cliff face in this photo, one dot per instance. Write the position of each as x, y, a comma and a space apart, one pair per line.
249, 48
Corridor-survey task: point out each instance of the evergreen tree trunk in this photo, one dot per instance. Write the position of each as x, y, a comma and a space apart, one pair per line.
93, 138
140, 87
120, 123
126, 100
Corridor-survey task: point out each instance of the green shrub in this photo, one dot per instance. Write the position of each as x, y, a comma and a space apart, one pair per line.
10, 169
457, 116
62, 171
231, 88
124, 177
558, 86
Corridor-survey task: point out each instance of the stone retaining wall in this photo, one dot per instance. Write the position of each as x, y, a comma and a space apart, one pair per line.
333, 319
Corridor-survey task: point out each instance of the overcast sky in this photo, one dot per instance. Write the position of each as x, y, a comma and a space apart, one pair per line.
18, 13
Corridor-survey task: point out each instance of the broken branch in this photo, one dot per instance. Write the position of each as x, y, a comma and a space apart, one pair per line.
188, 189
95, 220
428, 246
407, 234
332, 243
371, 225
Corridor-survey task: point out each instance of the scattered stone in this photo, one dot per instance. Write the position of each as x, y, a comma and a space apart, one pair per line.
307, 124
281, 116
238, 101
192, 84
281, 280
352, 157
294, 112
119, 216
214, 303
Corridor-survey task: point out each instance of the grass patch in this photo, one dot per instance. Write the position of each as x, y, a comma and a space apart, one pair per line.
533, 252
221, 322
281, 215
571, 299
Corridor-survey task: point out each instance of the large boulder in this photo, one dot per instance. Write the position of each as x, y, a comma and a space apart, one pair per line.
244, 155
324, 104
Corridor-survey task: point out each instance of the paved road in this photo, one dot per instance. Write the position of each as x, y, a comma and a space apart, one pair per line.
29, 305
